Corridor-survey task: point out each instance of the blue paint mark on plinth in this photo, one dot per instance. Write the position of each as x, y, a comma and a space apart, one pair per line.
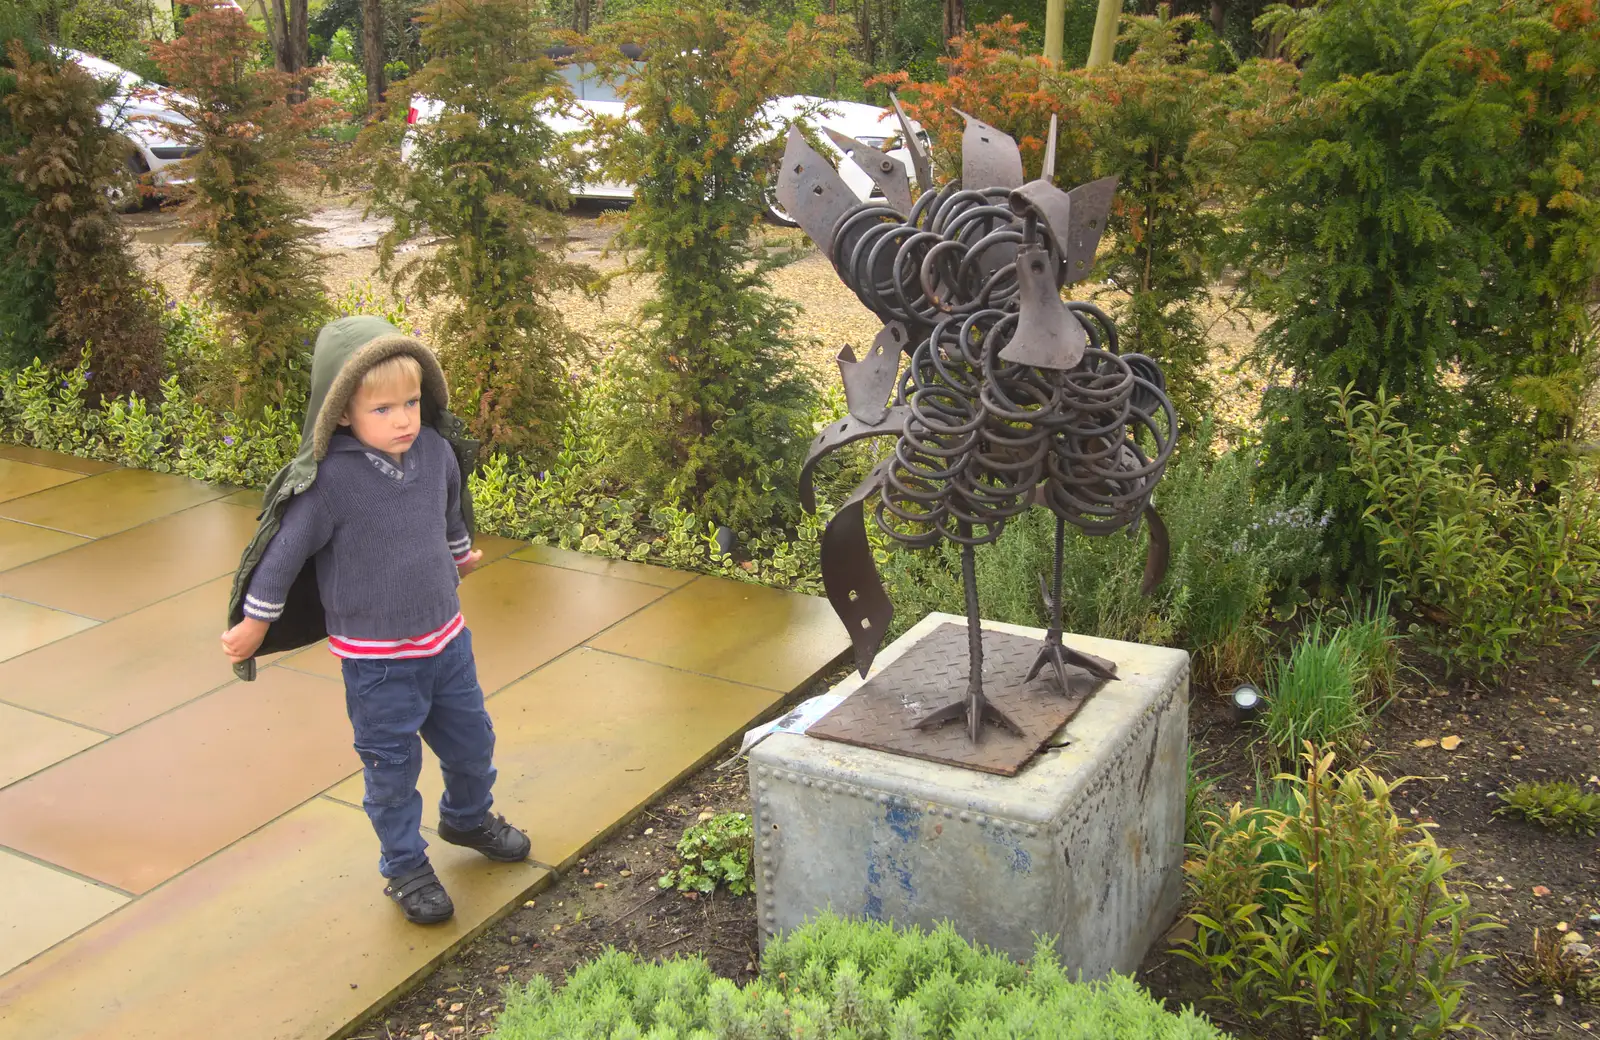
905, 821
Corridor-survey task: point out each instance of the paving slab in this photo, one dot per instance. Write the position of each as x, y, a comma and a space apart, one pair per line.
134, 811
589, 564
24, 478
30, 741
523, 615
57, 905
562, 729
728, 629
121, 573
130, 669
55, 460
285, 934
25, 626
24, 543
109, 502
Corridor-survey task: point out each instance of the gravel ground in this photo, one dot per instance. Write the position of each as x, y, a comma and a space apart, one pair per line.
829, 315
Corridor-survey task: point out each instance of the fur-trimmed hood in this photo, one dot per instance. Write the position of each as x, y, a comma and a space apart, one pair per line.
346, 350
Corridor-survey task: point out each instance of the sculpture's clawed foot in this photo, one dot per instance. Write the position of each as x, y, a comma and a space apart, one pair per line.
1058, 655
974, 719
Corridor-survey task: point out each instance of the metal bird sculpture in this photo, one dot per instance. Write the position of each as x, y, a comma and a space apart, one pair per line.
1011, 398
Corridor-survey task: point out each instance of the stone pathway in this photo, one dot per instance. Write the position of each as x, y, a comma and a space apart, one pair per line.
183, 855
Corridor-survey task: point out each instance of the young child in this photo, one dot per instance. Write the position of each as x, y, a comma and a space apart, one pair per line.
364, 538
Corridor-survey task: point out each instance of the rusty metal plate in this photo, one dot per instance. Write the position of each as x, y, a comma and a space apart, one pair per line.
933, 672
888, 174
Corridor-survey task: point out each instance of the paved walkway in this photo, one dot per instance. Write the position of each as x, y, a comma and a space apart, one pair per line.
182, 855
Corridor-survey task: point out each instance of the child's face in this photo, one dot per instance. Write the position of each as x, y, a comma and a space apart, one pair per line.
388, 417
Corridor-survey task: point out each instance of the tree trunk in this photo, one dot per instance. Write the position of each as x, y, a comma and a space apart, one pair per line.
1219, 16
289, 30
372, 54
955, 19
580, 16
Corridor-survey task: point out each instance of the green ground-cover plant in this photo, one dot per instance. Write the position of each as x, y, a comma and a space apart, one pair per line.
709, 399
1369, 943
1314, 695
490, 178
1233, 548
839, 978
1488, 571
1424, 222
66, 158
1559, 805
715, 852
256, 265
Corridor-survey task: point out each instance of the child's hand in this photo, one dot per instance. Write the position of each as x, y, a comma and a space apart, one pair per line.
469, 563
242, 641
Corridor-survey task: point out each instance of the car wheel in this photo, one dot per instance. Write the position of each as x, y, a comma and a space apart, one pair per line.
124, 192
775, 212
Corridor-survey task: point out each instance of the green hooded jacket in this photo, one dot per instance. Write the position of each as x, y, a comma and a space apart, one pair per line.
346, 349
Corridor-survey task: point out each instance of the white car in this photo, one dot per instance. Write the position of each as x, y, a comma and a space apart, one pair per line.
872, 126
139, 110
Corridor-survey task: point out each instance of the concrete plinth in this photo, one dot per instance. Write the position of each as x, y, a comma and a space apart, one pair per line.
1085, 844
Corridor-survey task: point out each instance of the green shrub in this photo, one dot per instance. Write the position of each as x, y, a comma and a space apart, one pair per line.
1232, 548
27, 290
1488, 571
1367, 629
116, 30
837, 978
710, 399
490, 180
66, 160
1559, 805
1425, 223
256, 264
1368, 944
1312, 695
715, 852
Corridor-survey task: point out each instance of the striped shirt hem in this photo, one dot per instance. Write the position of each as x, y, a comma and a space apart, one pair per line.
396, 649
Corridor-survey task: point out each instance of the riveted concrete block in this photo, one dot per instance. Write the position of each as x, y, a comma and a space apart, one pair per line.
1085, 844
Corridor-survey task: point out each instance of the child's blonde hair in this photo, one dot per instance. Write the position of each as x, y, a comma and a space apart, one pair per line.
392, 372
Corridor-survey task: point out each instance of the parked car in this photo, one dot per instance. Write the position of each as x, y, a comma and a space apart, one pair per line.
593, 95
140, 110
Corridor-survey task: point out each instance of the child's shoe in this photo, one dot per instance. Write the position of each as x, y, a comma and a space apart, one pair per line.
494, 837
421, 896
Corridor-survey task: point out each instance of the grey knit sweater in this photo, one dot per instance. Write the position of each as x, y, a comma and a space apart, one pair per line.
386, 539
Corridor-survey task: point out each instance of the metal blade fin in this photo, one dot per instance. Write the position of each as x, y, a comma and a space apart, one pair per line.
1048, 171
1052, 205
990, 158
850, 575
869, 382
1158, 555
812, 190
1091, 208
1048, 335
888, 174
920, 164
846, 431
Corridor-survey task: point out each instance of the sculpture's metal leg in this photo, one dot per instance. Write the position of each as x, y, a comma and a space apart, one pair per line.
974, 707
1054, 652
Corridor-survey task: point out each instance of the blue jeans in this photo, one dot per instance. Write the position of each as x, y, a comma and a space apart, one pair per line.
394, 706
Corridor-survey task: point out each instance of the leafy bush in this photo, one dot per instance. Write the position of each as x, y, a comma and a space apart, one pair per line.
490, 179
1368, 944
710, 400
1425, 223
255, 263
66, 160
845, 979
1490, 571
27, 290
116, 30
715, 852
1313, 696
1556, 804
1232, 547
